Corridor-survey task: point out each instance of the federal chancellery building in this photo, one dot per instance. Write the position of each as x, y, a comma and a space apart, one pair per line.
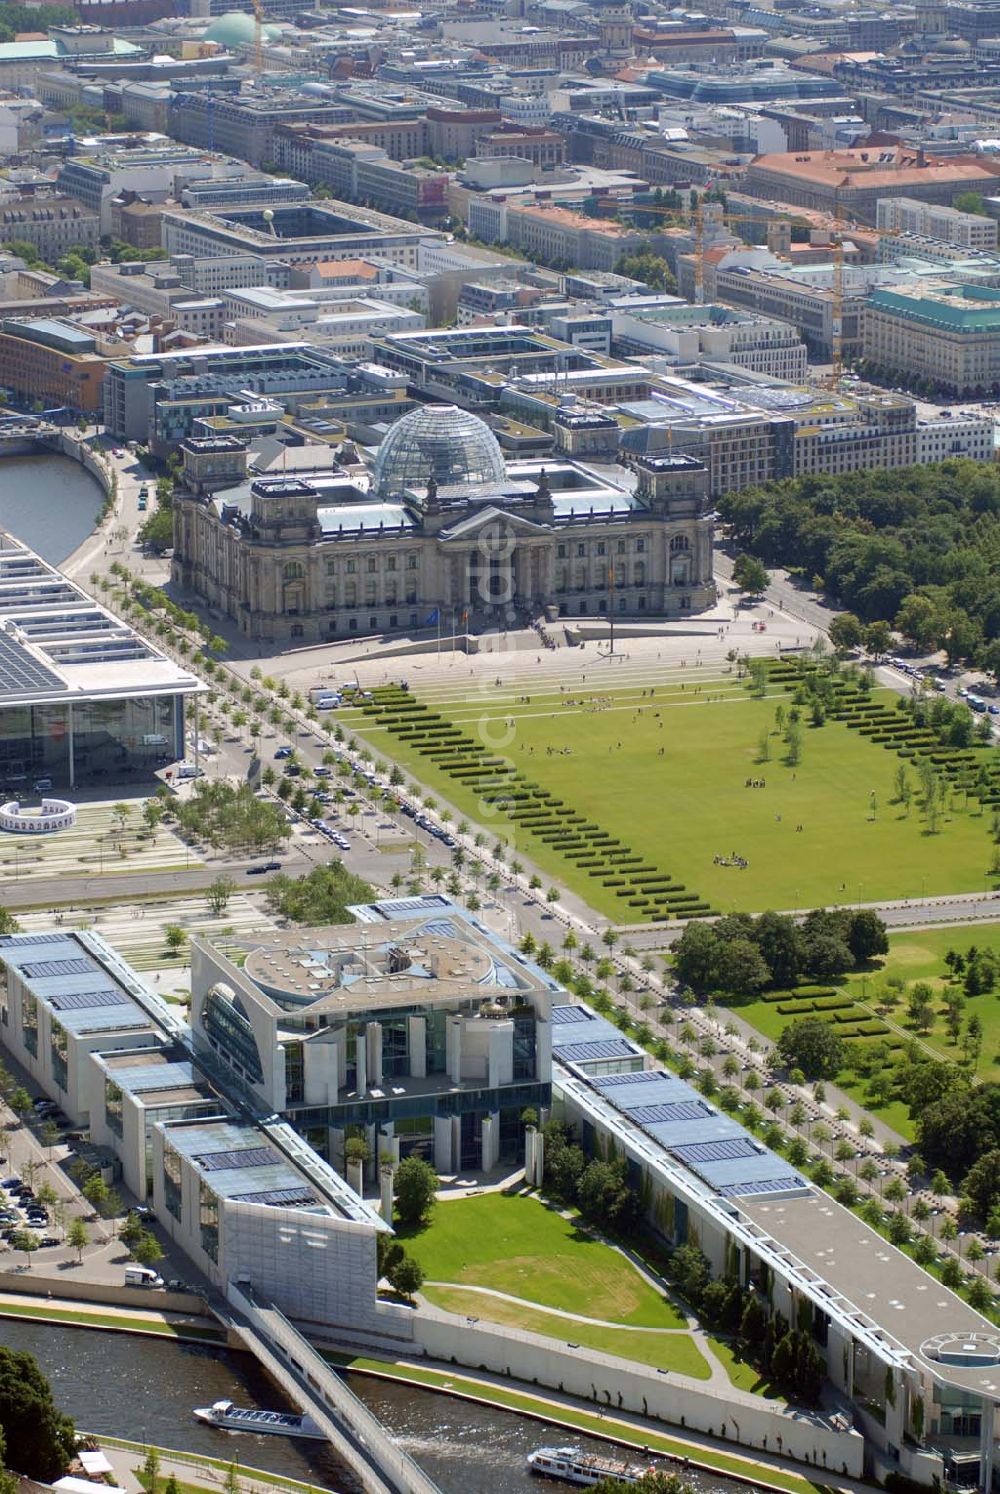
445, 529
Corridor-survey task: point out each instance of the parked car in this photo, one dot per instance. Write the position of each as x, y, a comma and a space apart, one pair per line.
282, 752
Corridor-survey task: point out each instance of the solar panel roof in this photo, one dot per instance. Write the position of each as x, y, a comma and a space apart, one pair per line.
251, 1156
648, 1115
560, 1015
20, 671
610, 1081
604, 1048
67, 1001
791, 1182
45, 968
712, 1145
276, 1196
716, 1151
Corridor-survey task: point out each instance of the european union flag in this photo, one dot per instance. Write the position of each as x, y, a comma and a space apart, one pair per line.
433, 618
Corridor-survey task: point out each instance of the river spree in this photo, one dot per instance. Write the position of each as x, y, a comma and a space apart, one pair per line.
145, 1389
49, 502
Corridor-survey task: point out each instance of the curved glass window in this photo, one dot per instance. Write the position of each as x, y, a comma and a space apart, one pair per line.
231, 1035
453, 446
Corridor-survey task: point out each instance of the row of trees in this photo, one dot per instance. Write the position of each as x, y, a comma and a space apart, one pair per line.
918, 552
739, 956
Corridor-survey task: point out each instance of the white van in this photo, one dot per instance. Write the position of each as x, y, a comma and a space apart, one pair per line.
142, 1276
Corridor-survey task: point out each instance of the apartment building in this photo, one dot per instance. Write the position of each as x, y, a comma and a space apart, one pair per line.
544, 148
554, 235
295, 143
360, 171
244, 125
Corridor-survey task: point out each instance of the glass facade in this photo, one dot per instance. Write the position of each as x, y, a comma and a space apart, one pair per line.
453, 446
231, 1036
172, 1181
29, 1023
113, 1107
294, 1074
208, 1206
57, 1052
89, 740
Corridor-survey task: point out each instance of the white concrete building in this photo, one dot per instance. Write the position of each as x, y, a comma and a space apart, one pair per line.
907, 215
695, 334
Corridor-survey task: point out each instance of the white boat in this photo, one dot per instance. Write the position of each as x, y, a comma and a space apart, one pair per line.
240, 1419
573, 1466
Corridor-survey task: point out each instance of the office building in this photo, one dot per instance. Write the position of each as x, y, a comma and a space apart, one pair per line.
849, 183
51, 222
52, 361
156, 397
84, 696
242, 1198
905, 215
157, 290
298, 234
708, 334
896, 1344
425, 1035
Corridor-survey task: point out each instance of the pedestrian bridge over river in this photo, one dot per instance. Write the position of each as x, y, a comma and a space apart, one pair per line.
356, 1436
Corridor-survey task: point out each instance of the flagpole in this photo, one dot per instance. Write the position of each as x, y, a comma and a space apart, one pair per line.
611, 603
438, 611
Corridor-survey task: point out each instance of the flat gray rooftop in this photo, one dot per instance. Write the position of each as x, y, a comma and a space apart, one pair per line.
862, 1270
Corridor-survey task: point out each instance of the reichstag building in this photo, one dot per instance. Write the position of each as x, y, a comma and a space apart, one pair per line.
446, 533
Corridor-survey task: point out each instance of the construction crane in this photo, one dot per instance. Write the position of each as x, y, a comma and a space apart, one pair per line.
259, 38
696, 218
837, 310
837, 298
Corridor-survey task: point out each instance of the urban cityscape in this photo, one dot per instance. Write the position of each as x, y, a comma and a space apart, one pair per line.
499, 746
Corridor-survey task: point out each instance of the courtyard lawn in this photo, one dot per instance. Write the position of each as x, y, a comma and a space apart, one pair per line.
682, 810
516, 1244
676, 1351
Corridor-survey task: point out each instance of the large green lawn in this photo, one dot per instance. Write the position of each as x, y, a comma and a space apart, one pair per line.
515, 1244
681, 810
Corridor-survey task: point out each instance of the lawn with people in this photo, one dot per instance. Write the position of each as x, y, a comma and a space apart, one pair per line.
703, 785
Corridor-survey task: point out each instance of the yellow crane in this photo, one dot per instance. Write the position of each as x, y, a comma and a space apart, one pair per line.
258, 37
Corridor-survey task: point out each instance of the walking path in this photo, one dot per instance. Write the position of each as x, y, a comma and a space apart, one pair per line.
191, 1470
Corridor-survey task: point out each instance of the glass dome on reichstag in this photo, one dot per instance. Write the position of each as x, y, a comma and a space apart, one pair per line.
451, 445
